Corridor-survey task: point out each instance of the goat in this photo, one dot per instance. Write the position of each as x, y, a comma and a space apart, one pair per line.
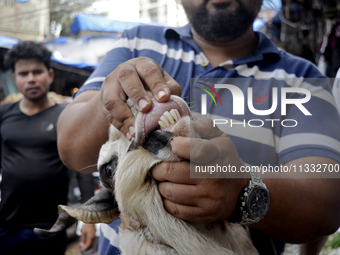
146, 227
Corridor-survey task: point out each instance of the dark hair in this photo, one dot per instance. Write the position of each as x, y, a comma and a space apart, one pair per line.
27, 50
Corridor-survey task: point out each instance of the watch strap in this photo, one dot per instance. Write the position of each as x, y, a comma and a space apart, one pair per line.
242, 216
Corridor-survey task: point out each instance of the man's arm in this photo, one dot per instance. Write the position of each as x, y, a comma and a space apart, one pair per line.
310, 206
82, 129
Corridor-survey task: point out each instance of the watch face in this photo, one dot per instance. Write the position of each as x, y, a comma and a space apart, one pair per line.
258, 203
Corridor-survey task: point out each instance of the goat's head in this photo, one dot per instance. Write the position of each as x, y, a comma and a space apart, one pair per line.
154, 132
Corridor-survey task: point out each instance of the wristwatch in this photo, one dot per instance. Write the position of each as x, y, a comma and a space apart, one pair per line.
253, 202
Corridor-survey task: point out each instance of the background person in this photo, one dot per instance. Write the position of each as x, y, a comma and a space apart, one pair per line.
218, 43
34, 179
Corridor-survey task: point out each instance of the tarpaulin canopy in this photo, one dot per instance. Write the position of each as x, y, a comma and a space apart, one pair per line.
83, 52
73, 52
86, 52
91, 22
75, 63
271, 4
258, 23
7, 42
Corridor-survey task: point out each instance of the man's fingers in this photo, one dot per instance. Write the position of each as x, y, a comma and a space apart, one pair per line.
176, 172
205, 128
179, 193
197, 150
129, 80
159, 82
204, 150
121, 121
174, 87
153, 76
88, 237
185, 212
128, 77
86, 246
115, 108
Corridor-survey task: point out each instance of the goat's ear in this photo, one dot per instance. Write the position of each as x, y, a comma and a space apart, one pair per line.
114, 134
101, 208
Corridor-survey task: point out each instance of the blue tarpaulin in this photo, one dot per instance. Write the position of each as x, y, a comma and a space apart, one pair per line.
61, 39
73, 50
84, 52
258, 23
90, 22
75, 63
271, 4
7, 42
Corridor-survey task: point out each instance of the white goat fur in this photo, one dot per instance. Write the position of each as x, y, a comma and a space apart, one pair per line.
147, 228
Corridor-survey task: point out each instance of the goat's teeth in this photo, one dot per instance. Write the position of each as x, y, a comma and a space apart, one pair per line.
169, 117
165, 121
162, 124
175, 114
179, 116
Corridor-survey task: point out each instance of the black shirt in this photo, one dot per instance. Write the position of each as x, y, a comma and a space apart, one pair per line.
34, 180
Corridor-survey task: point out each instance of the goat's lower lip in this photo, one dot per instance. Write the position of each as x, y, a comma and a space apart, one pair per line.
146, 122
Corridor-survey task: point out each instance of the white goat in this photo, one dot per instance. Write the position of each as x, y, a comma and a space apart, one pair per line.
146, 227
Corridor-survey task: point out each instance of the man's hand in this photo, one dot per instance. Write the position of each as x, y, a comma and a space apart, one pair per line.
200, 200
88, 236
128, 80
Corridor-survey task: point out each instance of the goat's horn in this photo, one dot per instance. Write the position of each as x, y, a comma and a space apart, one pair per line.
63, 222
101, 208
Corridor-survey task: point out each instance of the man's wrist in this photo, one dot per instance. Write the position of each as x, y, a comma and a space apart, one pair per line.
253, 202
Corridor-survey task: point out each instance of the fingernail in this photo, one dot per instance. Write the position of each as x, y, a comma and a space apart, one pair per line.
142, 103
160, 94
128, 136
132, 130
130, 133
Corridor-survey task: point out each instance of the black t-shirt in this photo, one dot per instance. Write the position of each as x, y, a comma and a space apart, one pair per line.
34, 180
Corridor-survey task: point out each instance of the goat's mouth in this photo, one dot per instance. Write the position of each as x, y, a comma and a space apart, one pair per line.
164, 116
